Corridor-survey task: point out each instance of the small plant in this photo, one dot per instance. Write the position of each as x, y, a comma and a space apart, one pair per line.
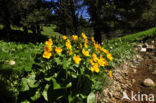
69, 70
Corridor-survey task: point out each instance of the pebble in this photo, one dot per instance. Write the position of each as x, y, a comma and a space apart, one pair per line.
133, 80
12, 62
134, 70
143, 50
149, 82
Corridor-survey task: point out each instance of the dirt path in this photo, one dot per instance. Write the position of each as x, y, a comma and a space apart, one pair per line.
129, 77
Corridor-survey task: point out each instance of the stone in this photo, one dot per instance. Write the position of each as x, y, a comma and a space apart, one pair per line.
149, 82
12, 62
132, 66
143, 50
133, 80
134, 70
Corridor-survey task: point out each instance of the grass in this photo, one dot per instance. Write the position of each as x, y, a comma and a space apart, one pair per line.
120, 51
48, 31
136, 36
22, 54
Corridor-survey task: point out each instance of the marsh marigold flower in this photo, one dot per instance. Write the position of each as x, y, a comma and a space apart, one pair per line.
91, 61
86, 53
102, 61
64, 37
47, 48
104, 50
75, 37
109, 56
76, 59
49, 43
95, 68
70, 52
68, 44
95, 58
85, 45
93, 40
84, 36
47, 54
58, 50
110, 74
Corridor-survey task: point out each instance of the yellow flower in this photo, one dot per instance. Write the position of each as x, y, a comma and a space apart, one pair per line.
58, 50
68, 44
46, 54
95, 58
80, 46
93, 40
70, 52
105, 63
76, 59
84, 36
101, 62
64, 37
85, 45
49, 43
91, 61
109, 56
104, 50
86, 53
95, 68
75, 37
110, 74
47, 48
85, 40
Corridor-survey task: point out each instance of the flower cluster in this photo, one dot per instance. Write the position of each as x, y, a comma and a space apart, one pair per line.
80, 49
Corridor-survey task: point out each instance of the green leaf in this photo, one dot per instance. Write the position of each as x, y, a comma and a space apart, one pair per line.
69, 85
24, 86
31, 81
83, 96
45, 92
70, 99
55, 84
25, 101
91, 98
65, 63
58, 61
48, 78
37, 95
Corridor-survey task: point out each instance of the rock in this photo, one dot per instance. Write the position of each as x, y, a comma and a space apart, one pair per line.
143, 50
12, 62
132, 66
134, 70
133, 80
152, 41
110, 94
148, 82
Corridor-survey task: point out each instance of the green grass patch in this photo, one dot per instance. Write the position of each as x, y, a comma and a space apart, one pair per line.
136, 36
50, 31
22, 54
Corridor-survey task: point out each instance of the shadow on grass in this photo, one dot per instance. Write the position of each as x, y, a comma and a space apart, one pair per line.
20, 36
6, 96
